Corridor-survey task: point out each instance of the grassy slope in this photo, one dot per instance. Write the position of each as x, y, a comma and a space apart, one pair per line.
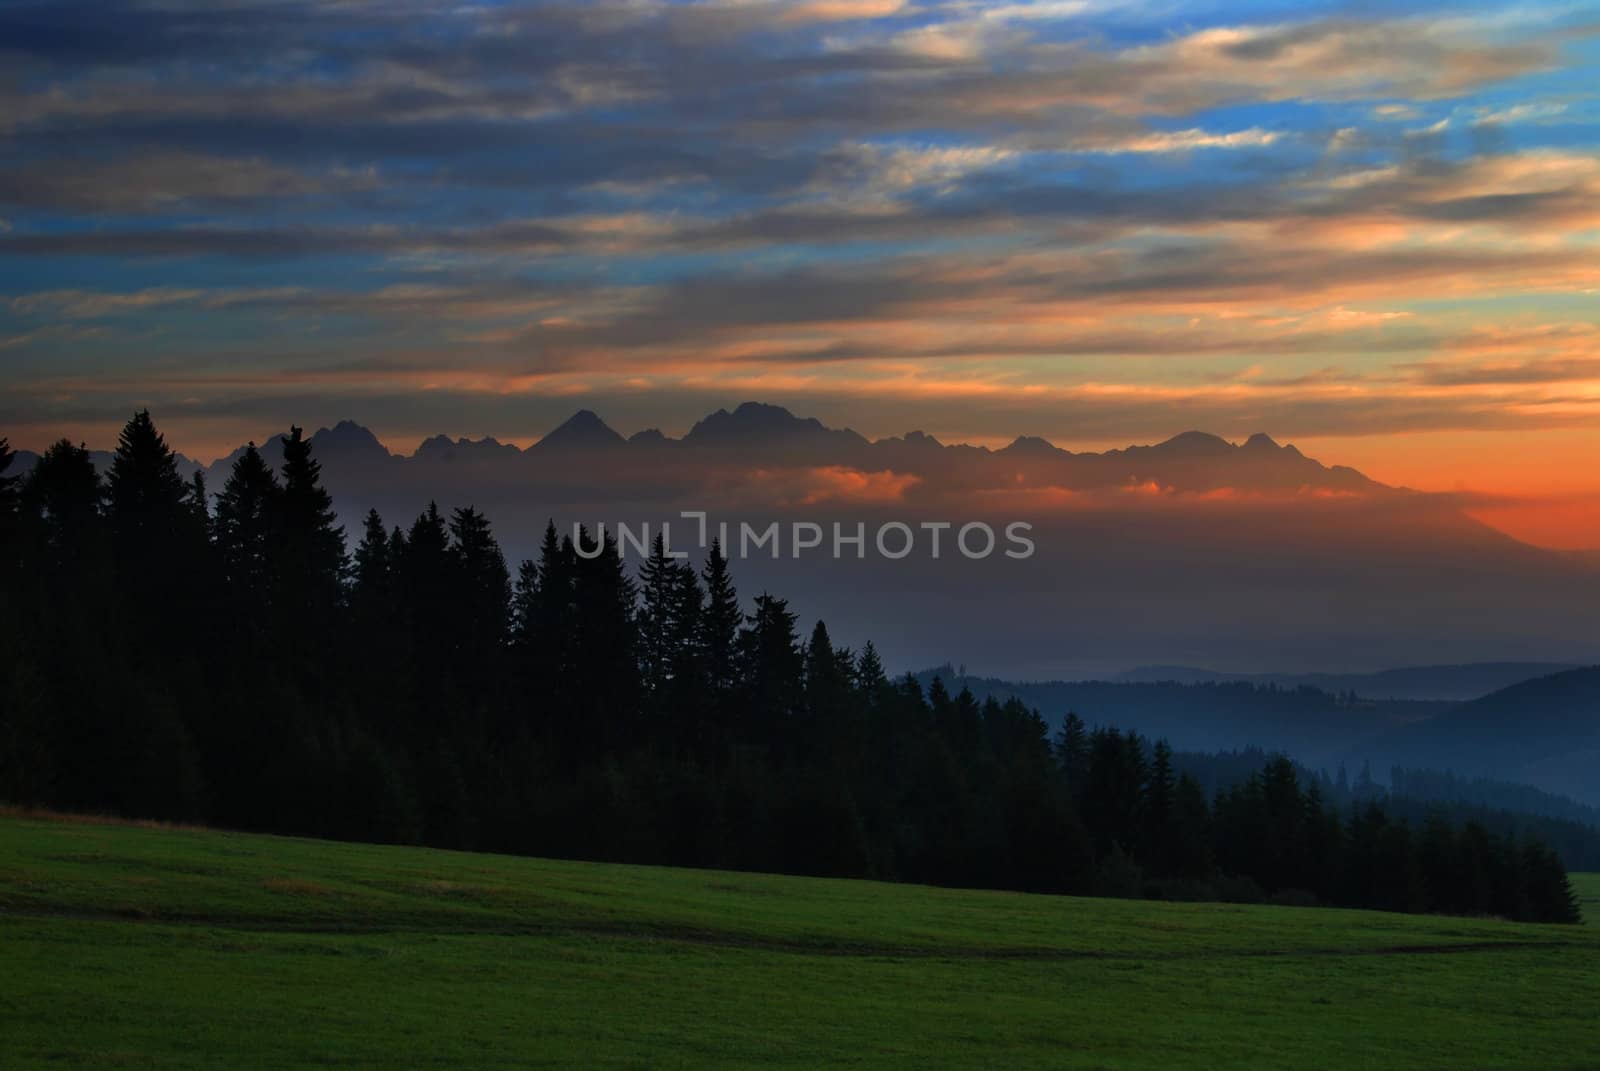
1587, 886
131, 945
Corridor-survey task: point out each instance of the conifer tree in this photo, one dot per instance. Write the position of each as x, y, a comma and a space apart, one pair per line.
154, 532
771, 667
1191, 831
967, 728
10, 514
8, 479
199, 503
61, 500
1158, 812
310, 543
524, 606
378, 642
1072, 751
372, 568
870, 678
246, 530
719, 623
146, 495
426, 588
833, 731
658, 583
684, 706
550, 644
483, 598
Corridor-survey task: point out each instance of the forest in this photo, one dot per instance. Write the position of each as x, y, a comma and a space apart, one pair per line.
1570, 829
174, 653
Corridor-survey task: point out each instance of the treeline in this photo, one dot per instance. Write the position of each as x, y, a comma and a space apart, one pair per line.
1490, 793
1301, 720
1570, 829
172, 654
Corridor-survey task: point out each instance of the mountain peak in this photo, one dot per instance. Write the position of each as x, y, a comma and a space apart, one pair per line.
1031, 446
758, 422
1195, 444
582, 429
1261, 441
444, 448
347, 431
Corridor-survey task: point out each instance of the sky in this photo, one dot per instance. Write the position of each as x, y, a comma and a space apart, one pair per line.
1368, 229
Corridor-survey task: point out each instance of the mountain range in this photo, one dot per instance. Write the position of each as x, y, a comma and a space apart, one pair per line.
1191, 551
1192, 462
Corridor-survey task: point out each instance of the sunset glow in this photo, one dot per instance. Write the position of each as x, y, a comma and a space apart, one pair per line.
1375, 235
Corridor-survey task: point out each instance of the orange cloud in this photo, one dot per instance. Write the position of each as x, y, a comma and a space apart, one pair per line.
828, 484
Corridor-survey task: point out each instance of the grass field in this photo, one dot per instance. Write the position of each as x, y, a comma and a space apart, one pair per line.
126, 945
1588, 889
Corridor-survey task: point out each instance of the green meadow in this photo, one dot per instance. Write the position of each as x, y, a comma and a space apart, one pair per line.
127, 946
1587, 886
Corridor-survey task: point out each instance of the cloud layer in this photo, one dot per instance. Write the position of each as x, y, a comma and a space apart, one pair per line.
1101, 223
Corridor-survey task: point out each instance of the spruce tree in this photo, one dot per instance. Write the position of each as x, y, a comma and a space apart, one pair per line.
684, 706
63, 610
719, 624
155, 532
832, 732
658, 582
8, 480
604, 649
870, 678
10, 516
550, 641
1072, 751
482, 610
771, 669
378, 640
371, 566
1158, 812
425, 598
61, 503
310, 547
524, 606
1191, 831
146, 495
246, 530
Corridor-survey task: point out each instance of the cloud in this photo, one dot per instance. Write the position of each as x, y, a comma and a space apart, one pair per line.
805, 11
1182, 141
826, 485
1051, 209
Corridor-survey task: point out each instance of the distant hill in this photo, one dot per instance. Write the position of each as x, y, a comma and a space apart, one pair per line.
25, 460
1315, 727
1451, 682
1543, 732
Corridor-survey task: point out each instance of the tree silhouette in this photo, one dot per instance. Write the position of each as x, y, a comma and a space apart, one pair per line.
769, 663
482, 604
10, 514
246, 528
310, 558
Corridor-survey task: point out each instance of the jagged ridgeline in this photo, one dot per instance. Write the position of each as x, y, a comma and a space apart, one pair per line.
174, 654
